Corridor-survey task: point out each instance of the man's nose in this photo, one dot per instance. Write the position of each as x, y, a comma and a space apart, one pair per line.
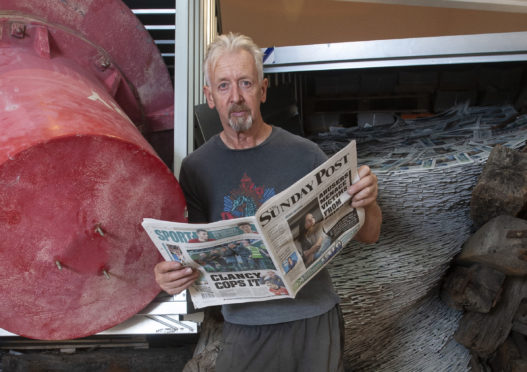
236, 94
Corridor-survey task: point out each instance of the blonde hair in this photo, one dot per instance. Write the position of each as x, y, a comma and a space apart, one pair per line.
231, 43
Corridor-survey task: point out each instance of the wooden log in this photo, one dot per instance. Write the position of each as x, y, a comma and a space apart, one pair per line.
478, 364
474, 288
502, 186
521, 343
484, 333
209, 344
519, 323
501, 244
519, 365
505, 356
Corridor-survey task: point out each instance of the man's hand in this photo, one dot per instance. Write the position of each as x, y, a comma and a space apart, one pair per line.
364, 194
173, 277
364, 191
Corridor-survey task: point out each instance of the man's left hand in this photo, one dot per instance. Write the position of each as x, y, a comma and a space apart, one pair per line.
364, 192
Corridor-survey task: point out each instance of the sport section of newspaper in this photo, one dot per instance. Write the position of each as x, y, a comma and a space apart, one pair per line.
274, 253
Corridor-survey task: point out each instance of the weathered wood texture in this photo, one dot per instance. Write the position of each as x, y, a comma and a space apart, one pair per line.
474, 288
484, 333
519, 324
209, 343
521, 343
511, 355
505, 356
501, 244
502, 187
478, 364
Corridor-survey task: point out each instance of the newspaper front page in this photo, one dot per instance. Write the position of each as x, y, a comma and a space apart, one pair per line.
272, 254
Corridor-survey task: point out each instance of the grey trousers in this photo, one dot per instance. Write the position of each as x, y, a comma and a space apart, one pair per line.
306, 345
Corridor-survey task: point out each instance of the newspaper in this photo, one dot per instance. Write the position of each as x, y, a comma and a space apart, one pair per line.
456, 137
274, 253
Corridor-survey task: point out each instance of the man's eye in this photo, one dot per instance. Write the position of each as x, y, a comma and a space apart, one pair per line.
223, 86
245, 84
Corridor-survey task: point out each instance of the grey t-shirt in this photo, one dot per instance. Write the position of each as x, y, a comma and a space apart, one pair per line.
221, 183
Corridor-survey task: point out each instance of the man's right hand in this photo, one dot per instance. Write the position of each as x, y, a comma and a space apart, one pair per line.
173, 277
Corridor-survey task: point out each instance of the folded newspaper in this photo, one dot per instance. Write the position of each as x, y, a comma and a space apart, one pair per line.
274, 253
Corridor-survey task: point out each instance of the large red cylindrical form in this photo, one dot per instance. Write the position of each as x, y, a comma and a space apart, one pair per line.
77, 177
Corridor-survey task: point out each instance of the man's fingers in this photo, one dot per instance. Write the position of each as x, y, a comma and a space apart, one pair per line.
365, 190
367, 184
173, 277
366, 195
363, 171
179, 285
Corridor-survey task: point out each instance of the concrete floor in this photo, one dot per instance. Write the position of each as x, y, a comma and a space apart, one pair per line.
164, 353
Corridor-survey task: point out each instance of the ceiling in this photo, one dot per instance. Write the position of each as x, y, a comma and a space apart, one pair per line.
158, 16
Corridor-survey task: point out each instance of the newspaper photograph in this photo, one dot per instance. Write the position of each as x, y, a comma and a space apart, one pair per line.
272, 254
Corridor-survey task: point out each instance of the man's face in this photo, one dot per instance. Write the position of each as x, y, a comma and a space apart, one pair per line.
235, 91
246, 228
203, 236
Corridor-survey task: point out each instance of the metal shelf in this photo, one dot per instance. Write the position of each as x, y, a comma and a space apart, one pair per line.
440, 50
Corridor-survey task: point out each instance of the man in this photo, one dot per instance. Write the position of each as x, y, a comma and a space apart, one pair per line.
251, 158
273, 278
175, 250
247, 228
258, 256
275, 288
217, 260
244, 254
201, 259
228, 254
201, 236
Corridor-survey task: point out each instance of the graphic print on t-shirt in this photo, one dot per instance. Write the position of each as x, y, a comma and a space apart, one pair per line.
245, 200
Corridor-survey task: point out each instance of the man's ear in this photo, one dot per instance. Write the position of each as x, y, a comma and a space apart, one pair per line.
208, 96
264, 86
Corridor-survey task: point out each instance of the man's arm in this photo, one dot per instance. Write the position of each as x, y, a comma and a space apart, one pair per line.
172, 276
364, 194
